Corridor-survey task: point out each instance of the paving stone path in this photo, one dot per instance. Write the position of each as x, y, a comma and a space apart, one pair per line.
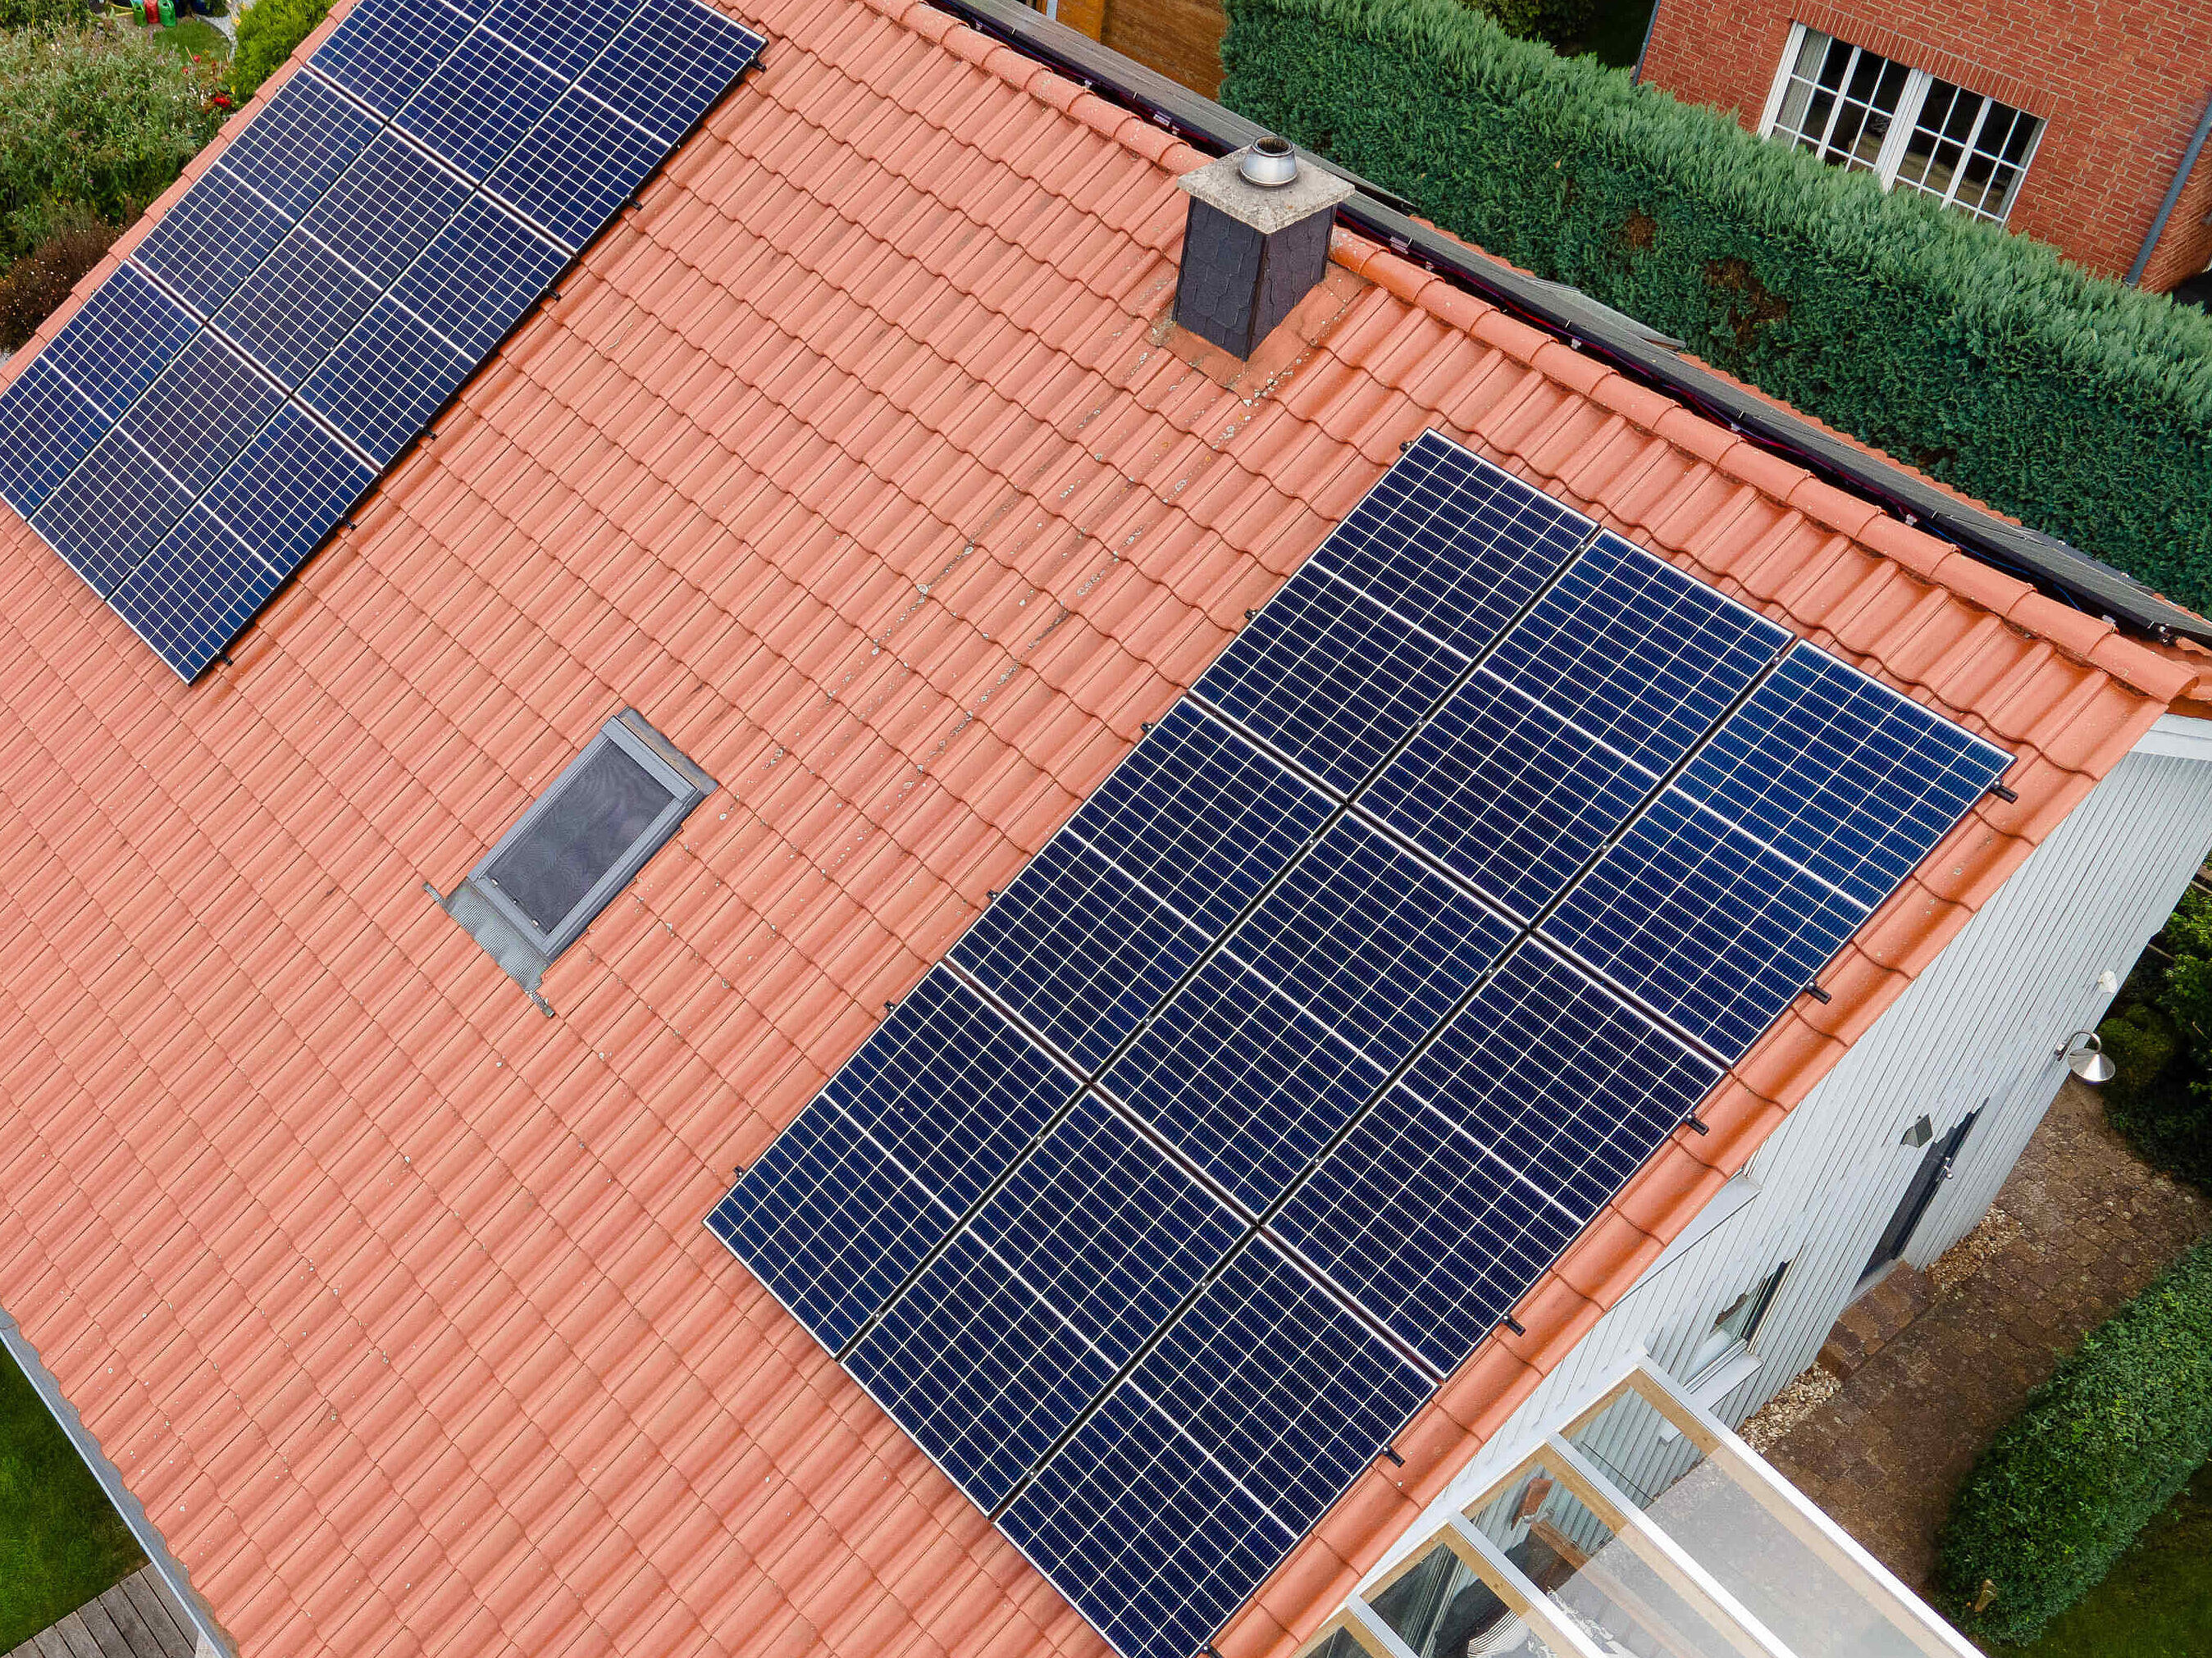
1886, 1453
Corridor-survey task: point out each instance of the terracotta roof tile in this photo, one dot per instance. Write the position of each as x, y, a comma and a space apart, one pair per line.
863, 458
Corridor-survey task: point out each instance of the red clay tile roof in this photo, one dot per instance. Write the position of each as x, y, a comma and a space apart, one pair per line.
858, 460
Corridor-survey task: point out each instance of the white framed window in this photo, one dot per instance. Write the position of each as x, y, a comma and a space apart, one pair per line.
1856, 109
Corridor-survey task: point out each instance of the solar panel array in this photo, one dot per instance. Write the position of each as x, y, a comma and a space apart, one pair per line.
302, 312
1284, 1070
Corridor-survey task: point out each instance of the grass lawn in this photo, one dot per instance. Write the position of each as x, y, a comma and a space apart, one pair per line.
2157, 1603
196, 37
61, 1544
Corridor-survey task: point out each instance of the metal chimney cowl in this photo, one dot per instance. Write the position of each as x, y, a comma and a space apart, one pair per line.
1251, 251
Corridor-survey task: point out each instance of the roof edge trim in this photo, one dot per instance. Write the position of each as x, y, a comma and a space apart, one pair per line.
1630, 347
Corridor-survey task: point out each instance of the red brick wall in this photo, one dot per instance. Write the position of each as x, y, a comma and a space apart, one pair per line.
2120, 83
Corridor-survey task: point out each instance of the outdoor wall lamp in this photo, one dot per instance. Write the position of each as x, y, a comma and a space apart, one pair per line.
2085, 1057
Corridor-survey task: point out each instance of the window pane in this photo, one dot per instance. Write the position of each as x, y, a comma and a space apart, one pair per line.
604, 805
1968, 150
1838, 101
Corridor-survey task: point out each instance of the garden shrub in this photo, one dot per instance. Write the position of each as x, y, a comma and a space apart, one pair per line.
42, 278
2099, 1450
2075, 403
2160, 1040
43, 17
97, 120
267, 32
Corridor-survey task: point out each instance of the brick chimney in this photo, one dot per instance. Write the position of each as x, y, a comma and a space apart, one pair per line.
1256, 242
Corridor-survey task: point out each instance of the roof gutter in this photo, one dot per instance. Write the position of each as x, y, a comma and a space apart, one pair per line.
2172, 195
1643, 353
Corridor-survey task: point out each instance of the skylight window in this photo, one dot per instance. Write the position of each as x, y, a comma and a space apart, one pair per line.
583, 840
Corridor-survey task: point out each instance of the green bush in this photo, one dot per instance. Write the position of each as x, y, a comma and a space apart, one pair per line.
2077, 404
267, 32
2188, 994
42, 278
45, 17
98, 119
2099, 1450
2160, 1037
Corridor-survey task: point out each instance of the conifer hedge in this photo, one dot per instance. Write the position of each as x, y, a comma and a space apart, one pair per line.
2097, 1453
2078, 405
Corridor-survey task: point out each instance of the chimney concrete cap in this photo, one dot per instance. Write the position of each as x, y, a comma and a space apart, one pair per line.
1266, 208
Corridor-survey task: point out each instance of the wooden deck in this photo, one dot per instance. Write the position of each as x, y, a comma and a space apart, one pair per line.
134, 1619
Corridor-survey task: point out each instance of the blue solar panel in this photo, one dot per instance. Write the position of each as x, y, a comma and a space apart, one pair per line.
564, 40
671, 62
1636, 653
190, 596
208, 240
479, 105
1103, 1227
119, 339
979, 1369
385, 209
1078, 948
1505, 792
282, 496
1092, 1522
1425, 1229
1842, 774
947, 1087
1241, 1082
46, 427
1560, 1079
387, 48
829, 1222
477, 277
385, 379
1452, 543
1704, 924
1330, 677
205, 407
576, 169
290, 311
110, 512
1200, 817
1369, 941
296, 147
1274, 1378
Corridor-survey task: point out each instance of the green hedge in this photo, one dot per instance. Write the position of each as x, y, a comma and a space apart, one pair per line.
2099, 1450
2160, 1037
267, 32
2079, 406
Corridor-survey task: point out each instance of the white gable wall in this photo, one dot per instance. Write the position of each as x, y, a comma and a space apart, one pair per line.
1979, 1027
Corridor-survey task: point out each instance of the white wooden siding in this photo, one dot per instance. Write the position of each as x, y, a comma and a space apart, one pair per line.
1980, 1026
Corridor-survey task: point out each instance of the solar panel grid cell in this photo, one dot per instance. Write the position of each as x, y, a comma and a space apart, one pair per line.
1714, 931
296, 147
290, 312
386, 209
668, 63
1110, 1232
110, 512
1330, 677
1091, 1522
1369, 941
1503, 792
829, 1223
478, 104
1424, 1229
1842, 774
384, 380
564, 41
205, 244
46, 427
1078, 948
205, 407
476, 278
118, 341
1560, 1079
1200, 817
1452, 543
189, 597
577, 167
385, 49
285, 490
1241, 1081
979, 1370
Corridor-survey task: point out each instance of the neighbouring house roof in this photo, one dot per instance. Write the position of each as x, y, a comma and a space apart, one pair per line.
861, 461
